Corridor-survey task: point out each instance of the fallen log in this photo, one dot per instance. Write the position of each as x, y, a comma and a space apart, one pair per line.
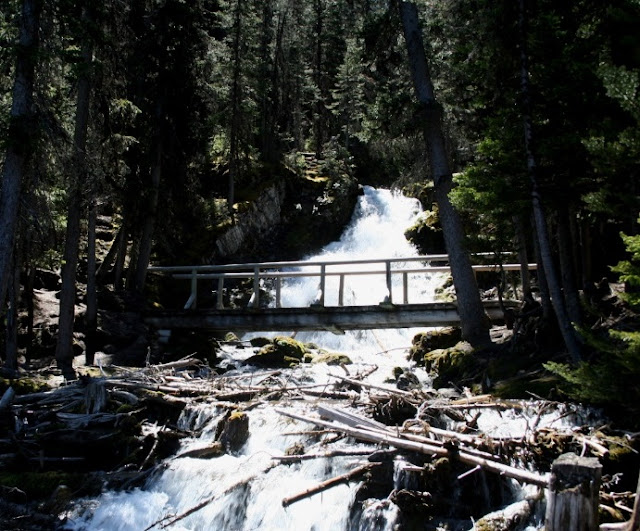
334, 453
320, 487
7, 398
396, 392
430, 449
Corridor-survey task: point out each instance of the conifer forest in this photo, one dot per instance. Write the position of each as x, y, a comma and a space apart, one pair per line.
150, 133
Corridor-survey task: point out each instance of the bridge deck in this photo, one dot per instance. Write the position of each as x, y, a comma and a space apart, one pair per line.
331, 318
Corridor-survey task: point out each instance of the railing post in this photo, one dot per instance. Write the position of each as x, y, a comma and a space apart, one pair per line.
319, 300
193, 298
220, 302
278, 292
255, 299
389, 297
405, 288
572, 503
341, 291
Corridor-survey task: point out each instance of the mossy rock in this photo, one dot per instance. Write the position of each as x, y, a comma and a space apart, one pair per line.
426, 233
453, 364
332, 358
235, 431
259, 342
281, 352
23, 386
425, 342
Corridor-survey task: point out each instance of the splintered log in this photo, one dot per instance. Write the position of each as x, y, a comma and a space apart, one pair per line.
320, 487
572, 503
428, 449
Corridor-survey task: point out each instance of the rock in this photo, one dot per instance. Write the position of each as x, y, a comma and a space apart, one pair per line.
281, 352
450, 364
216, 449
408, 381
426, 233
432, 340
235, 431
332, 358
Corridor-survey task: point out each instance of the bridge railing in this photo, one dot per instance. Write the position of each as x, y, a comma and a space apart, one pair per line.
278, 271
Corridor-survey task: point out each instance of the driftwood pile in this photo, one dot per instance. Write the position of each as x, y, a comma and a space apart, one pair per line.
124, 425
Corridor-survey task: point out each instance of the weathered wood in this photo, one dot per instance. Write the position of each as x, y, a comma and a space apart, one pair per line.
320, 487
7, 398
316, 318
572, 503
427, 448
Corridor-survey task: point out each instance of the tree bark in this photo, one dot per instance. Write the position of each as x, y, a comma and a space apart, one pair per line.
20, 138
91, 315
474, 323
146, 239
236, 98
64, 347
546, 255
567, 267
523, 258
12, 320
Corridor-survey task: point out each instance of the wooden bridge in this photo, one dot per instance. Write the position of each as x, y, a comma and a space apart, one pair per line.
394, 310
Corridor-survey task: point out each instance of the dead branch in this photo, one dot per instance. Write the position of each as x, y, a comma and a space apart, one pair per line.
429, 449
320, 487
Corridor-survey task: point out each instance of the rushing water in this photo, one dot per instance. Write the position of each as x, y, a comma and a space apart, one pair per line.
243, 490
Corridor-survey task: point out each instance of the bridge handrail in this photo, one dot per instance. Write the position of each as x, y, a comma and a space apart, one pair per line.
274, 270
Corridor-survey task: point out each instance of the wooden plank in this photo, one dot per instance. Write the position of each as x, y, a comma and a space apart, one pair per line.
317, 318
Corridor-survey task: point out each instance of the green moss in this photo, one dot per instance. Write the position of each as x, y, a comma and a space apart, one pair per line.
23, 386
332, 358
281, 352
454, 364
425, 342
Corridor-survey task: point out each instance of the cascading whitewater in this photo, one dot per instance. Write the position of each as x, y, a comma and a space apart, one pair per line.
244, 490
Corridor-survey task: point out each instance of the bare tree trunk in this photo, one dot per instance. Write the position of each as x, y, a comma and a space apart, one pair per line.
546, 256
474, 323
111, 256
12, 319
236, 98
91, 315
567, 268
545, 298
521, 244
20, 134
146, 239
317, 77
64, 348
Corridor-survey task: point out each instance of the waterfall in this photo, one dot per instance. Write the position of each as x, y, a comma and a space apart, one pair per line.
244, 490
376, 231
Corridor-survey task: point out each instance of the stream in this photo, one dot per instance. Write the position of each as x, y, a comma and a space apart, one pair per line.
244, 488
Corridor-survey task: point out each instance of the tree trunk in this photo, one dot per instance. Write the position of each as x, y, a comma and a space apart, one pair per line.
523, 258
91, 315
12, 320
64, 348
567, 268
546, 256
20, 137
317, 78
236, 98
146, 239
474, 323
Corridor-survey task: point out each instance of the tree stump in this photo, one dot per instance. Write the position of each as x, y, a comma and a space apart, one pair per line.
572, 503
